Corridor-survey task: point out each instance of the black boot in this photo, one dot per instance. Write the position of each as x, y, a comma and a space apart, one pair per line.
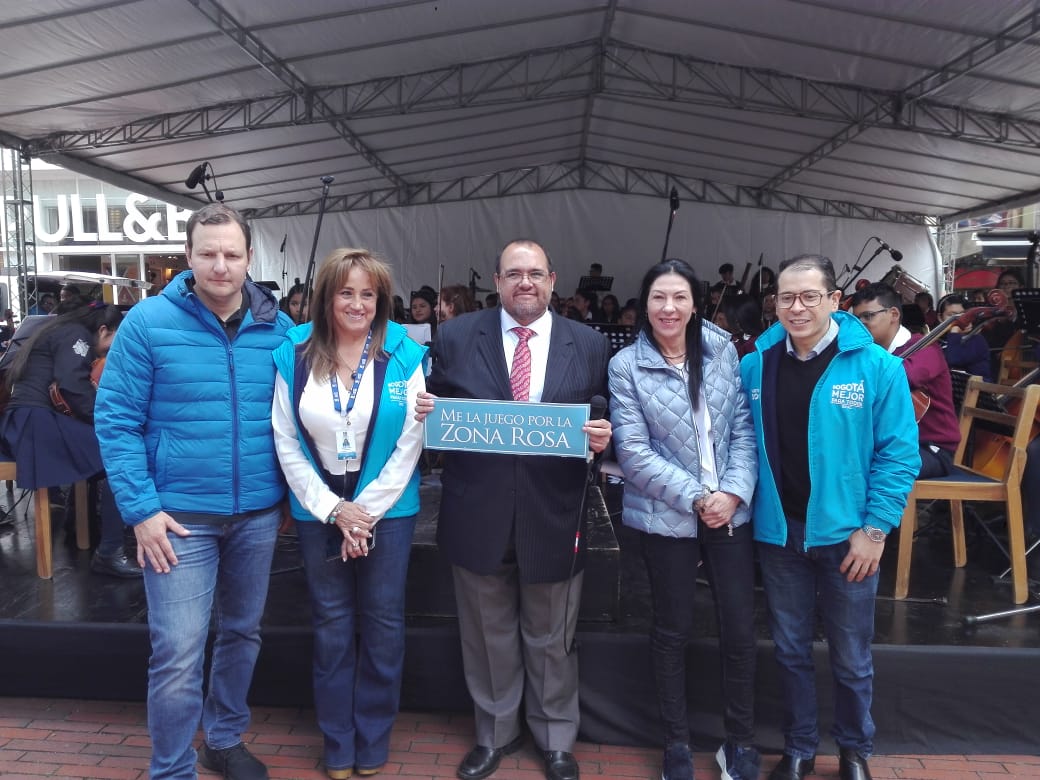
115, 565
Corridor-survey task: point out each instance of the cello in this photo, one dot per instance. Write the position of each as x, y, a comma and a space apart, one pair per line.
992, 450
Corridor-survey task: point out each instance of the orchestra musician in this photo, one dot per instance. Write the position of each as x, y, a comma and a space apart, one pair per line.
964, 351
879, 308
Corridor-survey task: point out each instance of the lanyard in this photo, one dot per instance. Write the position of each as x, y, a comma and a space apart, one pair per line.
357, 382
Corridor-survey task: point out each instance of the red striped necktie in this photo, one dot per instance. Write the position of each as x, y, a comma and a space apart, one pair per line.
520, 375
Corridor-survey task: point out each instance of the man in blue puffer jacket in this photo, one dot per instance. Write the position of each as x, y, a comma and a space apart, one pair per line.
837, 457
183, 416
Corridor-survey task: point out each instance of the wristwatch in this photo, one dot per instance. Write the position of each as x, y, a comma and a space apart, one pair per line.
874, 534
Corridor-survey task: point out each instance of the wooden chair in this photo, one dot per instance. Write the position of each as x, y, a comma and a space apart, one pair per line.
42, 517
970, 482
1015, 362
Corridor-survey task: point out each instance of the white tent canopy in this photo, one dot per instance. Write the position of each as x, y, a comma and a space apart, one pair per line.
437, 115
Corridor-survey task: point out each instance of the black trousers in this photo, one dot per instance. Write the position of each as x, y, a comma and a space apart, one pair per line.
672, 565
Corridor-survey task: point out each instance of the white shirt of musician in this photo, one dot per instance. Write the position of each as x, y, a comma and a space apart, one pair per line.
902, 336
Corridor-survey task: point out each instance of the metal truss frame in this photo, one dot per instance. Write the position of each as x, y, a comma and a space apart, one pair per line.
589, 175
316, 107
19, 232
567, 71
598, 76
946, 241
995, 46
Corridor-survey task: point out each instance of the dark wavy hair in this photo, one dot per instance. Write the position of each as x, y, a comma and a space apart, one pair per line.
91, 317
693, 327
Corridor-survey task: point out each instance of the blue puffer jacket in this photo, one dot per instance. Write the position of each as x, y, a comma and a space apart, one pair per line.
656, 443
183, 415
863, 451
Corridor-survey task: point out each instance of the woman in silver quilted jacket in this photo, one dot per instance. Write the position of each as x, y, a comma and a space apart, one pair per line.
684, 439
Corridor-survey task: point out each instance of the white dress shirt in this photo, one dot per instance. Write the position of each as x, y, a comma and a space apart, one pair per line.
539, 344
321, 420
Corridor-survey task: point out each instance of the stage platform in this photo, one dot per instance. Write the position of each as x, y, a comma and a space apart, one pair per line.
941, 687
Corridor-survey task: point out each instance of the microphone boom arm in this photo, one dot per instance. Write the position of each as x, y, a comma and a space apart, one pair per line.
309, 277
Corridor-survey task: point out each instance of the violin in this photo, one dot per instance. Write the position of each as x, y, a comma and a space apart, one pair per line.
95, 371
58, 400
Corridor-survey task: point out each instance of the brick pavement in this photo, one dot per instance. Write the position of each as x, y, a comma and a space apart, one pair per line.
75, 740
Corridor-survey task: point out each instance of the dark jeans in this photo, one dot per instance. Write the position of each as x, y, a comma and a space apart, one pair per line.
935, 464
672, 566
1031, 487
799, 585
357, 608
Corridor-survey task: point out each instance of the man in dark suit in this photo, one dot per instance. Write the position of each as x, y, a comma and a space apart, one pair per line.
508, 523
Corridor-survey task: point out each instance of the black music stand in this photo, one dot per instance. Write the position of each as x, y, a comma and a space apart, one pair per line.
620, 336
1027, 305
596, 283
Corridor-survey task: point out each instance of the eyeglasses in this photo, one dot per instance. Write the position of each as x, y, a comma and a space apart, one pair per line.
868, 316
809, 298
535, 277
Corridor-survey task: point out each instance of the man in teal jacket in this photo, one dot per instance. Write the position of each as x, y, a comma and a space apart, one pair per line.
183, 415
837, 457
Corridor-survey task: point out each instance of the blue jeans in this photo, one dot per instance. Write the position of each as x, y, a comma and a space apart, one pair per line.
799, 585
358, 613
222, 570
672, 566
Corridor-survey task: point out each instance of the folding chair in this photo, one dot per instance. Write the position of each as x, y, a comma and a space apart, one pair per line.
998, 480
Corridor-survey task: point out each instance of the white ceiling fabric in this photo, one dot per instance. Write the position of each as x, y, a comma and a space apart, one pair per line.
899, 111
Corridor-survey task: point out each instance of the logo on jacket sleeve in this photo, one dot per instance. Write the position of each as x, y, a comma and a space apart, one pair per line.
848, 395
756, 394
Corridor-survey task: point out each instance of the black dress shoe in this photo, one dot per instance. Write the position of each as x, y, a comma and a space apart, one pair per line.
560, 765
482, 761
115, 565
791, 768
852, 766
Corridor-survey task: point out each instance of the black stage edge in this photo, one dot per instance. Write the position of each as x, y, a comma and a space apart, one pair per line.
940, 689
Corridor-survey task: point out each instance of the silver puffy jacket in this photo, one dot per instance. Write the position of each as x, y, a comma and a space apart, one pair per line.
655, 440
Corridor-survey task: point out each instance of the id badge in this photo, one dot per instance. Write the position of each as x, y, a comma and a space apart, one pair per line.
345, 446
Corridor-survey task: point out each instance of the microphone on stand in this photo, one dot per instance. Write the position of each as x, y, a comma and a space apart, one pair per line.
198, 173
673, 205
896, 254
597, 411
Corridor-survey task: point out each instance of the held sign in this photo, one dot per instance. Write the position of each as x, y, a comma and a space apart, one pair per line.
507, 427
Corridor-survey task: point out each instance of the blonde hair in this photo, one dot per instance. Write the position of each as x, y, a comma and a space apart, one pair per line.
332, 277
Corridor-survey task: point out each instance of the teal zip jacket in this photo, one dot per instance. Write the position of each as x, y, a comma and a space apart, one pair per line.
863, 450
402, 357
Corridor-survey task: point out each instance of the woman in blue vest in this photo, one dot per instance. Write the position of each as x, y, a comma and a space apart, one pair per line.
348, 447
